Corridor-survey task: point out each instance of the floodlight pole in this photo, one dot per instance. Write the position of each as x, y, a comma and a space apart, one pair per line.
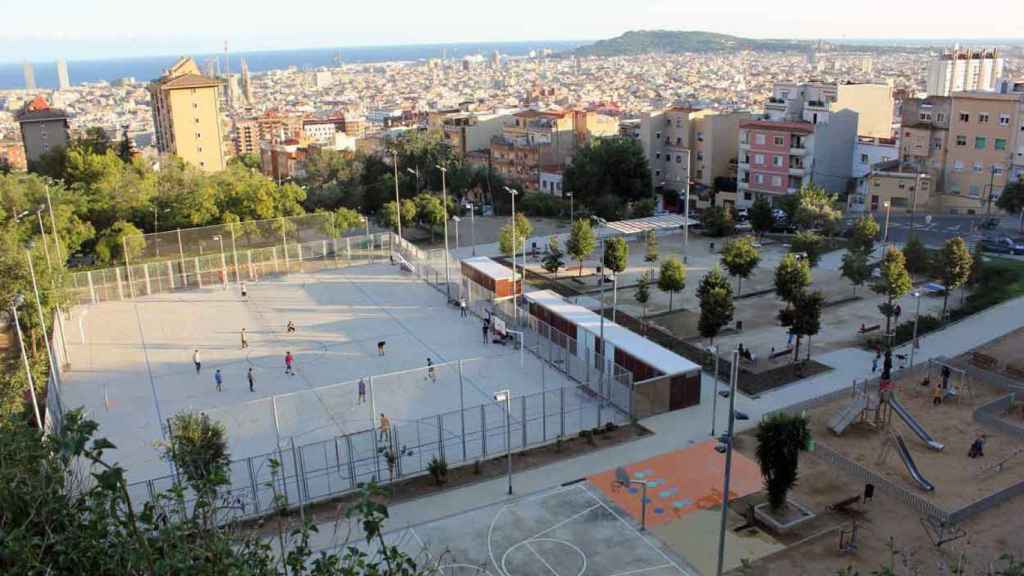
24, 359
686, 209
734, 376
505, 396
398, 200
714, 400
917, 315
515, 299
444, 208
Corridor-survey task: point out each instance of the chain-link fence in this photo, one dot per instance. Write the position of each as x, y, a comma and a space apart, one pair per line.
226, 253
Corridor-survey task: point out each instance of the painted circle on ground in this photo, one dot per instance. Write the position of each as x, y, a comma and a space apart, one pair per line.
523, 548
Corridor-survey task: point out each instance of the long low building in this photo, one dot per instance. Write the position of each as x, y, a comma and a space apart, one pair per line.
485, 279
661, 379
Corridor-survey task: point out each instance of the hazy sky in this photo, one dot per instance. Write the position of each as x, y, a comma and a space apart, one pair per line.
82, 29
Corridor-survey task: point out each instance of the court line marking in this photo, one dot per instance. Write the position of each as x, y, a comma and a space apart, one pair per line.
539, 557
642, 570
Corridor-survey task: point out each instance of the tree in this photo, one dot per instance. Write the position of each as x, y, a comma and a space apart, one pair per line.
716, 304
111, 243
955, 263
651, 248
430, 211
198, 447
616, 258
1012, 199
762, 219
977, 263
614, 169
894, 283
803, 317
863, 236
581, 242
855, 268
816, 209
740, 257
780, 438
808, 243
643, 296
717, 222
523, 229
126, 149
672, 278
914, 252
553, 260
792, 277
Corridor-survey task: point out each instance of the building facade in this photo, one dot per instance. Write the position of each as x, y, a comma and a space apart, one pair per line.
186, 116
63, 82
42, 128
775, 158
12, 154
964, 69
983, 133
895, 186
466, 132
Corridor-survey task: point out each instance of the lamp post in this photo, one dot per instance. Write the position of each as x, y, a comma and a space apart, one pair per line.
444, 209
398, 201
686, 209
888, 209
714, 399
456, 219
472, 225
917, 315
416, 173
515, 299
15, 302
571, 215
505, 396
727, 441
42, 232
156, 226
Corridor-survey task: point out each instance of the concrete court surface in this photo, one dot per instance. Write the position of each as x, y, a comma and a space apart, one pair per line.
135, 369
565, 531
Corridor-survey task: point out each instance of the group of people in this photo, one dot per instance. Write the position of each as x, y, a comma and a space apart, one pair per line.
218, 376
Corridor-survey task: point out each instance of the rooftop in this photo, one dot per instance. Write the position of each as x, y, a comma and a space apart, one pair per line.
489, 267
804, 127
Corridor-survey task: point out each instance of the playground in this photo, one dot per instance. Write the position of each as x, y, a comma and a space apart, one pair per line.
133, 368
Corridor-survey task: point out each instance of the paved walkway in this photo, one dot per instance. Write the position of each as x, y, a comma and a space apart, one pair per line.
685, 427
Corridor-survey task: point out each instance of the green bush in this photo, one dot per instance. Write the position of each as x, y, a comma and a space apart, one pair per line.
438, 468
542, 205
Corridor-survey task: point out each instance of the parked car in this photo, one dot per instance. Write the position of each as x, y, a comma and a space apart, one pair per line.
1002, 245
989, 223
742, 215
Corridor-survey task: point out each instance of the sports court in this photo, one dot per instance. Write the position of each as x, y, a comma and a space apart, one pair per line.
135, 370
566, 531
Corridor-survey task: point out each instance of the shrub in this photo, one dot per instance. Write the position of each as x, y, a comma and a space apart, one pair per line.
438, 468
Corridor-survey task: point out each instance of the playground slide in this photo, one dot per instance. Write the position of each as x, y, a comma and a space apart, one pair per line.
848, 415
901, 447
914, 424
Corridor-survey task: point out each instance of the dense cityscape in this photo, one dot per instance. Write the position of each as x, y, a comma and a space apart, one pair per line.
665, 304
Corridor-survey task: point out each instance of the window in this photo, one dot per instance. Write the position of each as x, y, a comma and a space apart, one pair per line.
982, 117
678, 140
958, 166
961, 140
700, 156
955, 189
980, 143
978, 167
657, 173
876, 182
759, 178
1000, 144
779, 140
965, 117
863, 158
974, 191
657, 155
657, 135
940, 117
679, 159
776, 181
902, 186
700, 136
997, 169
759, 159
926, 116
1004, 119
759, 139
195, 106
747, 196
776, 161
198, 135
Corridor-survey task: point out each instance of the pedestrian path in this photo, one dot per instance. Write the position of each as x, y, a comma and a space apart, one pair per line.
686, 427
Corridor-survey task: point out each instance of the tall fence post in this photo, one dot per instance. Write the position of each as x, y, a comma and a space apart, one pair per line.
462, 412
523, 401
284, 244
273, 252
181, 257
252, 484
199, 273
170, 273
561, 411
92, 287
120, 289
348, 248
483, 431
234, 253
145, 274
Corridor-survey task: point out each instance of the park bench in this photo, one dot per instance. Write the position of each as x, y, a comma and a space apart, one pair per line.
982, 360
780, 353
842, 505
865, 329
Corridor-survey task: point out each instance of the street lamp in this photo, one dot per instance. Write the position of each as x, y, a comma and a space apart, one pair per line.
42, 232
456, 219
888, 209
515, 299
917, 315
505, 396
726, 446
444, 208
398, 201
472, 224
686, 209
714, 399
156, 226
17, 301
416, 173
571, 219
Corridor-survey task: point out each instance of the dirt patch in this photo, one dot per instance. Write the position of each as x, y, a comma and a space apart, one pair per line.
1007, 353
424, 485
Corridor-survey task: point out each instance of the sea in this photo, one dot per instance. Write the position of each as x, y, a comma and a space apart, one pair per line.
148, 68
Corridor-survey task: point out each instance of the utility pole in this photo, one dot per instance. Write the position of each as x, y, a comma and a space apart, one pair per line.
728, 441
398, 200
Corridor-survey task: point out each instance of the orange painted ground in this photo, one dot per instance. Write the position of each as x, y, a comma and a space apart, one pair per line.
680, 482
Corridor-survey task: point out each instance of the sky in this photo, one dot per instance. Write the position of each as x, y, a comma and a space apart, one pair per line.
91, 29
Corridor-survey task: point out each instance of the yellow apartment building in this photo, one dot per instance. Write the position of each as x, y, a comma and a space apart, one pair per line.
186, 116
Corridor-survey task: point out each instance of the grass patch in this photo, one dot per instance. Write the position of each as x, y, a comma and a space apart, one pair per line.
1001, 279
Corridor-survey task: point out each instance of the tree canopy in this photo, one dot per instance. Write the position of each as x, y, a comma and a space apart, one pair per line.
581, 242
716, 304
740, 258
672, 278
607, 174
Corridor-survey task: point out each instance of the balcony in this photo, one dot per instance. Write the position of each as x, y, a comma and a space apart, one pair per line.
744, 145
798, 151
796, 171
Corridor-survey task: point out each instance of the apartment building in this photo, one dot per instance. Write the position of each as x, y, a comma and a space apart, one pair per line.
466, 132
964, 70
1007, 86
775, 159
246, 136
42, 128
186, 116
322, 130
283, 160
874, 105
983, 131
897, 186
12, 155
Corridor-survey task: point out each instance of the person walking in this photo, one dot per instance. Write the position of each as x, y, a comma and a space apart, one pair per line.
219, 380
430, 370
245, 292
288, 361
252, 379
380, 348
462, 307
937, 395
484, 329
196, 360
245, 343
362, 391
290, 328
385, 427
874, 362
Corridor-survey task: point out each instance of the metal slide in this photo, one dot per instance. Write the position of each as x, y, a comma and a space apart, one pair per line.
848, 415
901, 447
914, 424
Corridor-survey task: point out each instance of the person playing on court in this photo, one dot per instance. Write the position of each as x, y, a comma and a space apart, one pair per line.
385, 427
288, 360
252, 379
484, 329
245, 292
218, 379
430, 370
380, 348
291, 327
196, 361
362, 391
245, 343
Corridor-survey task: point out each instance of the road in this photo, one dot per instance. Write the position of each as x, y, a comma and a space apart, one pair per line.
933, 230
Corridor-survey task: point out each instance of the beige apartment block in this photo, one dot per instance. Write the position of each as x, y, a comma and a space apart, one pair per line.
900, 187
982, 137
874, 105
716, 141
186, 116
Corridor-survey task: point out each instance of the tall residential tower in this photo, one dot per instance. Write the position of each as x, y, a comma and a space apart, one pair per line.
63, 83
963, 70
186, 116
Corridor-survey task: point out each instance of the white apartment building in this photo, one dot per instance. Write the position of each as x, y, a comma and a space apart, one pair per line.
964, 70
321, 131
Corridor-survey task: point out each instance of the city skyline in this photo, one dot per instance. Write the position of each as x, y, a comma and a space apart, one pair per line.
77, 34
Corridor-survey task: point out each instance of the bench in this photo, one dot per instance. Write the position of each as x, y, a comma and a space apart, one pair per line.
982, 360
865, 329
780, 353
842, 505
